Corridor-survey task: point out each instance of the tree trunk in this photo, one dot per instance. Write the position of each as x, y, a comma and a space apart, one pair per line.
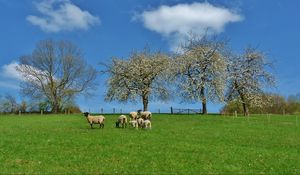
246, 109
245, 106
145, 102
55, 107
204, 109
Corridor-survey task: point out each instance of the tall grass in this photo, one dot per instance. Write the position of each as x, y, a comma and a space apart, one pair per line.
183, 144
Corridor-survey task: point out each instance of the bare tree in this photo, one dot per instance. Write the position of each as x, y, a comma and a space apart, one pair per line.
23, 106
248, 75
56, 72
37, 106
139, 77
8, 104
201, 70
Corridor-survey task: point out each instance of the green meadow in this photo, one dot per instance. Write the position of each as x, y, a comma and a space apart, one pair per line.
176, 144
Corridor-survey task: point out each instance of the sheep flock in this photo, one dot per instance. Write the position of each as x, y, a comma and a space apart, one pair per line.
139, 119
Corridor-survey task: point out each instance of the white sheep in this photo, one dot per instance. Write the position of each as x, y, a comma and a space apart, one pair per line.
122, 119
95, 119
134, 123
147, 124
133, 115
140, 122
146, 115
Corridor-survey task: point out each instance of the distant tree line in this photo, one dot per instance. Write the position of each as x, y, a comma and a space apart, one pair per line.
9, 105
270, 104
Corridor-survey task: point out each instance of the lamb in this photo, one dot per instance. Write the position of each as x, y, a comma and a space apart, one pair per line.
140, 122
133, 115
95, 119
146, 115
147, 124
121, 120
134, 123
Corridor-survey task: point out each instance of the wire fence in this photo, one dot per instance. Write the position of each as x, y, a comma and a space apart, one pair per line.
267, 118
185, 111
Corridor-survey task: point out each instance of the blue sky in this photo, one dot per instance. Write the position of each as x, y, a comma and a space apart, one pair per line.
107, 28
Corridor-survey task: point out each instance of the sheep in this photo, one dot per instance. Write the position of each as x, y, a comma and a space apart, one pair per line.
121, 120
133, 115
95, 119
134, 123
147, 124
146, 115
140, 122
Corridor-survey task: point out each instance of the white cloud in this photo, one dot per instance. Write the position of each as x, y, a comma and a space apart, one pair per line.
61, 15
175, 22
9, 71
10, 78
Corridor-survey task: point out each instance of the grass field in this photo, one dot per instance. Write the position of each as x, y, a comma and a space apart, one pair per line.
183, 144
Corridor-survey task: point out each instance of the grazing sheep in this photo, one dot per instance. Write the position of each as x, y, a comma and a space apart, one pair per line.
133, 115
147, 124
95, 119
146, 115
140, 122
121, 120
134, 124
